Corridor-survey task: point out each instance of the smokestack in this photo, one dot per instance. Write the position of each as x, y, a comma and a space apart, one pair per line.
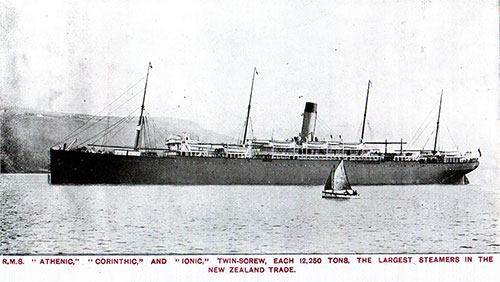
308, 123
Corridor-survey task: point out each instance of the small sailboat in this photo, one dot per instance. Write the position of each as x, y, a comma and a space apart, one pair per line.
337, 185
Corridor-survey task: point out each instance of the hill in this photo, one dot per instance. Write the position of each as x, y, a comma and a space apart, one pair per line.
26, 136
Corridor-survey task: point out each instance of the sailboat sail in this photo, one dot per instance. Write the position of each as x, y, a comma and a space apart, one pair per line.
337, 185
340, 181
328, 184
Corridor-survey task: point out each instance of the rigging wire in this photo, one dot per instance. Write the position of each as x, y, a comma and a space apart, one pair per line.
119, 124
360, 128
112, 126
161, 133
133, 85
104, 137
451, 136
145, 133
251, 126
149, 134
154, 140
120, 127
293, 131
154, 135
412, 142
86, 126
419, 131
369, 127
426, 141
242, 129
323, 128
73, 134
239, 135
142, 137
144, 129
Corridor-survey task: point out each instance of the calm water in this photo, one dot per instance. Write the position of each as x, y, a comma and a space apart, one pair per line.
39, 218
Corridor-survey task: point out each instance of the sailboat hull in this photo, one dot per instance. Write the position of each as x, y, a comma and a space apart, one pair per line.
336, 195
73, 167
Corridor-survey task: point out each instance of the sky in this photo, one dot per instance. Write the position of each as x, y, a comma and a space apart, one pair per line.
78, 56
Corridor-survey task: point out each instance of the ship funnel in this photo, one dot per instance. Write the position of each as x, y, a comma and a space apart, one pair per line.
309, 122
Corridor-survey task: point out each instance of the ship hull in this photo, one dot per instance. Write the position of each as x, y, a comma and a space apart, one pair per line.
69, 167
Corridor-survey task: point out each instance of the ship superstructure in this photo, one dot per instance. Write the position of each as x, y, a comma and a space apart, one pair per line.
302, 160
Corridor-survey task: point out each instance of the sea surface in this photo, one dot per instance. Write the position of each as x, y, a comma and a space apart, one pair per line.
38, 218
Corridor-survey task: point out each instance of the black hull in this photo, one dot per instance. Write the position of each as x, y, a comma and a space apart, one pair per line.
69, 167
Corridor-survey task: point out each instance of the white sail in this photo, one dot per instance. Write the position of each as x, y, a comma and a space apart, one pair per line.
340, 181
337, 185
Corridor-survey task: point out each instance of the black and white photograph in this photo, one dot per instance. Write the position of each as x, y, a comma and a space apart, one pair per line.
200, 131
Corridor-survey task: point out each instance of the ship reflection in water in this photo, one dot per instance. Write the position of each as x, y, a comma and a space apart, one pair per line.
51, 219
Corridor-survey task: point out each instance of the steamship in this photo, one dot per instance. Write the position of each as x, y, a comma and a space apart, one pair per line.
302, 160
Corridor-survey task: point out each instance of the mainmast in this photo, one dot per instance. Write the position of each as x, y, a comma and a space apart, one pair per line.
249, 104
437, 126
366, 108
140, 123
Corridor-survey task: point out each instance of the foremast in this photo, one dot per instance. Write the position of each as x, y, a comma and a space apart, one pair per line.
141, 117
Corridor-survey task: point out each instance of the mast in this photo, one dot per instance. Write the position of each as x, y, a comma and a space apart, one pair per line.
437, 126
366, 108
139, 124
249, 104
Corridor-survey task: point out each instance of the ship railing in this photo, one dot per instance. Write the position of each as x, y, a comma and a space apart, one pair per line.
237, 156
127, 153
457, 159
405, 158
447, 159
287, 156
465, 159
362, 158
